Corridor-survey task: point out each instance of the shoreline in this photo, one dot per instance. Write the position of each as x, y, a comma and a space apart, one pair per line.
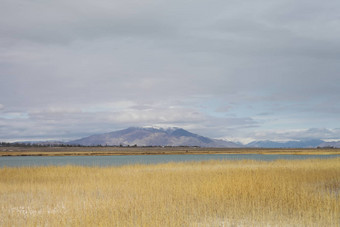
124, 151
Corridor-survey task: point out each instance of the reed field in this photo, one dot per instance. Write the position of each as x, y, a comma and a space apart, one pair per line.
209, 193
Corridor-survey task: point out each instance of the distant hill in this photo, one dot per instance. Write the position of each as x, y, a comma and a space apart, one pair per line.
149, 136
330, 144
152, 137
310, 143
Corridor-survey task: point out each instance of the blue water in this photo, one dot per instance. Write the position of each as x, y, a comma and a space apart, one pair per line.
142, 159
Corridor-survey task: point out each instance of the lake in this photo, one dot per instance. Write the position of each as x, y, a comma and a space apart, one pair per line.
18, 161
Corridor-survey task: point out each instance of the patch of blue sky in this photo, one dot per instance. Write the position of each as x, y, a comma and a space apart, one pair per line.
12, 116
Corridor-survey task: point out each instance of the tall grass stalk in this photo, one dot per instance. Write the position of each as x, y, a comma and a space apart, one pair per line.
209, 193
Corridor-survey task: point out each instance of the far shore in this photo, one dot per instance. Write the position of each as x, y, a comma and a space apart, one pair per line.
106, 151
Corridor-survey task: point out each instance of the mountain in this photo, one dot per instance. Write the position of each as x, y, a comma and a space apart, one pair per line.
310, 143
152, 137
330, 144
148, 136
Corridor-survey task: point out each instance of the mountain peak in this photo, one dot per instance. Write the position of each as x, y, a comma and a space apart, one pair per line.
152, 136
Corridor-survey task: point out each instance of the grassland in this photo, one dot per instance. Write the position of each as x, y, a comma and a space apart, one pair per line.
210, 193
88, 151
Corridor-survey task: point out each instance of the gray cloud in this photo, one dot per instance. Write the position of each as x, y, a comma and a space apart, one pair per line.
68, 67
73, 122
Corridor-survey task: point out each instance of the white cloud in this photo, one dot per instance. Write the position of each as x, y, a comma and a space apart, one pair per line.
297, 134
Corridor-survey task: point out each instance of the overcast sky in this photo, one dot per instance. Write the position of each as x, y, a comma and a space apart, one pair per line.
240, 70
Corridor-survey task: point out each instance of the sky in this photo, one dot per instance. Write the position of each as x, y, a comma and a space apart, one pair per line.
238, 70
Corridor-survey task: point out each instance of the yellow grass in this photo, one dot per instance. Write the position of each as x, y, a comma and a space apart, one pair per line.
210, 193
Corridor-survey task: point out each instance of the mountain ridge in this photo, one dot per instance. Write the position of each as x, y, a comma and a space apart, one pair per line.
174, 136
149, 136
306, 143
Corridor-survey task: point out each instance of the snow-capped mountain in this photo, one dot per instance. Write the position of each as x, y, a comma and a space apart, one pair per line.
149, 136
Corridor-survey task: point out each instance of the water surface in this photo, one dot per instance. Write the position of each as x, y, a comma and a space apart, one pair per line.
142, 159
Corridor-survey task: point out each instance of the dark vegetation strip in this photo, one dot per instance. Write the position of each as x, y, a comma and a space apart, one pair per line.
91, 151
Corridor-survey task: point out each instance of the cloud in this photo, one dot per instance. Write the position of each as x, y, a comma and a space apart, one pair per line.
298, 134
70, 123
214, 67
326, 134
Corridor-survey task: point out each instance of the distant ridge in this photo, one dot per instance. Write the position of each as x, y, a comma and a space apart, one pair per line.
149, 136
308, 143
335, 144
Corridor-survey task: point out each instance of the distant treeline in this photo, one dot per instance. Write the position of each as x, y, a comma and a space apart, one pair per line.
46, 144
25, 144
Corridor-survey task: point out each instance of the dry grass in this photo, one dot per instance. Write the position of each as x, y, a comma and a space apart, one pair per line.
210, 193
